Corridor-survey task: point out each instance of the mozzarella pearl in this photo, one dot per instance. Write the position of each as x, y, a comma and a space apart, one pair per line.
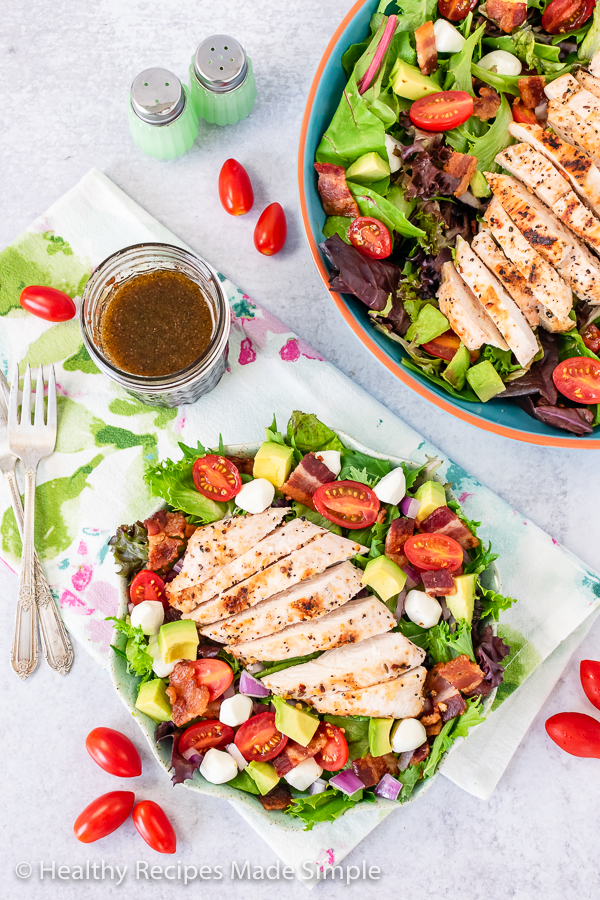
236, 754
332, 458
422, 609
448, 39
255, 496
160, 668
409, 734
235, 710
392, 487
302, 776
149, 614
390, 145
218, 766
501, 62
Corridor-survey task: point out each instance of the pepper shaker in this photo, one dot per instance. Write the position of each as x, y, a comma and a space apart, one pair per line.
162, 120
222, 83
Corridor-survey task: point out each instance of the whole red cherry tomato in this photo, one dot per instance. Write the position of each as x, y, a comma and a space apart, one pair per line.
47, 303
589, 672
575, 733
235, 188
103, 816
113, 752
455, 10
153, 824
371, 237
271, 230
147, 585
561, 16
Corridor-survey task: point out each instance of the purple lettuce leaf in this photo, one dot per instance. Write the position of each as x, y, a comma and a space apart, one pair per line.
182, 768
575, 419
423, 170
371, 280
539, 378
489, 652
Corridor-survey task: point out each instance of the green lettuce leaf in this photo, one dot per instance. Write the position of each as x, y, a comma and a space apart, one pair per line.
471, 717
591, 42
353, 131
493, 603
272, 667
481, 559
501, 360
309, 434
409, 778
459, 70
571, 344
412, 13
454, 728
130, 549
444, 646
325, 807
337, 225
356, 732
243, 782
139, 661
497, 138
465, 394
174, 483
315, 517
414, 633
373, 204
354, 460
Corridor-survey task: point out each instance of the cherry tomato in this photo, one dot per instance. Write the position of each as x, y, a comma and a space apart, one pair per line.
47, 303
347, 503
216, 478
578, 379
271, 230
205, 735
259, 739
235, 188
445, 346
455, 10
566, 15
442, 111
103, 816
575, 733
215, 674
520, 113
589, 672
431, 552
152, 823
147, 585
371, 237
334, 754
591, 338
113, 752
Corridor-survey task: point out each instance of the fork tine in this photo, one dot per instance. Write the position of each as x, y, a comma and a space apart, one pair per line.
52, 400
26, 398
13, 403
38, 417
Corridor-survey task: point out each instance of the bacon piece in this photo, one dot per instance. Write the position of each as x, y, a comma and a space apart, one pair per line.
508, 14
452, 707
434, 730
335, 194
461, 166
397, 536
532, 90
487, 104
308, 475
443, 521
294, 753
420, 754
371, 769
462, 673
166, 531
188, 698
244, 465
426, 49
438, 584
278, 797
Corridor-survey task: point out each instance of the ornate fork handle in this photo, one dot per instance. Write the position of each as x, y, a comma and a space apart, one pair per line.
24, 651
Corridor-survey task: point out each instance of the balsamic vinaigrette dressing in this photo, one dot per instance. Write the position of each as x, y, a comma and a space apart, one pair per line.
156, 324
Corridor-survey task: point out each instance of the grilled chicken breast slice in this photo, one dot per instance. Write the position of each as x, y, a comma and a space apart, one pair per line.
561, 89
588, 82
464, 312
355, 621
507, 274
575, 130
373, 661
307, 600
401, 698
507, 316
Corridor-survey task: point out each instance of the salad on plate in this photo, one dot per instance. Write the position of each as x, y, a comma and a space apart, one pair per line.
460, 176
307, 622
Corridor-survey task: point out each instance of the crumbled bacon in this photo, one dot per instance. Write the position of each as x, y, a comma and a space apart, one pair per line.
462, 673
308, 475
420, 754
166, 531
335, 194
278, 797
371, 769
452, 707
462, 166
433, 730
294, 753
438, 584
426, 49
508, 14
487, 104
443, 521
244, 465
532, 90
188, 698
397, 536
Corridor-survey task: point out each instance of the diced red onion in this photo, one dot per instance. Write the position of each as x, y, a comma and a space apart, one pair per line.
253, 668
466, 556
389, 788
236, 754
230, 692
412, 577
379, 54
347, 782
209, 651
178, 566
252, 686
410, 507
191, 754
404, 759
170, 576
400, 604
318, 786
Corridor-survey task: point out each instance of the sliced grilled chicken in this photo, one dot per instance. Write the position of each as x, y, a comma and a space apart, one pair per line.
307, 600
508, 275
588, 82
277, 545
561, 89
507, 316
374, 661
546, 234
355, 621
400, 698
573, 129
585, 104
462, 309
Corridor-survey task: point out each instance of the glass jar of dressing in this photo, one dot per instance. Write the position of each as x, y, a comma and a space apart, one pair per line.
155, 319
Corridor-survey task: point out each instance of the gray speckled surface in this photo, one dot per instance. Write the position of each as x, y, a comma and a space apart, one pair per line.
65, 69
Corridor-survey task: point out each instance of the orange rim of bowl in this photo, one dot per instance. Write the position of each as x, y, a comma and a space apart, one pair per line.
503, 430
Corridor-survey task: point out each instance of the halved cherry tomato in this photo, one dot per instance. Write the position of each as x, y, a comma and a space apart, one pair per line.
520, 113
259, 739
371, 237
432, 552
147, 585
47, 303
205, 735
442, 111
153, 824
334, 754
347, 503
575, 733
103, 816
216, 478
113, 752
578, 378
455, 10
591, 338
235, 188
566, 15
589, 672
271, 230
446, 345
215, 674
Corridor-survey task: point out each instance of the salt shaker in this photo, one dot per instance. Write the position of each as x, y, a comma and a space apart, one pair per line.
162, 120
222, 83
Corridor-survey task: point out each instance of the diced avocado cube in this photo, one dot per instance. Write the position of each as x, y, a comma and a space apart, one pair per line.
298, 725
273, 462
263, 774
432, 495
368, 168
455, 372
408, 81
384, 576
379, 736
153, 701
485, 381
461, 604
178, 640
479, 186
429, 324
